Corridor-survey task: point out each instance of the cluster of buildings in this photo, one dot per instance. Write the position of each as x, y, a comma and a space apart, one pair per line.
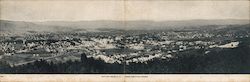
115, 48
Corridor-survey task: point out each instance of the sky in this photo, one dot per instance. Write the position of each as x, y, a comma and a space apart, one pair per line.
159, 10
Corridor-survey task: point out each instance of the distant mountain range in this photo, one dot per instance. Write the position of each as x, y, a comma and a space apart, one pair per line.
54, 26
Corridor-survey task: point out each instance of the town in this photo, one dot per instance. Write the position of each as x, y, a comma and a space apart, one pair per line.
120, 47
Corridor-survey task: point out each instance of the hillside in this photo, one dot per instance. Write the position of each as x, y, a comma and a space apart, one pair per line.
52, 26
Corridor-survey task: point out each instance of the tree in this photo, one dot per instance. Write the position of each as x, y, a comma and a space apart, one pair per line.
84, 58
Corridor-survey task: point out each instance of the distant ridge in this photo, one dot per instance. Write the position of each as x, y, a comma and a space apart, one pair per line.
7, 25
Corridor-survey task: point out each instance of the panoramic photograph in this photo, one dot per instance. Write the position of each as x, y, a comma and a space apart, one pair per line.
124, 37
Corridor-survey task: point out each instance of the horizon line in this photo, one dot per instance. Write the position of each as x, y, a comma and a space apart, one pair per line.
115, 20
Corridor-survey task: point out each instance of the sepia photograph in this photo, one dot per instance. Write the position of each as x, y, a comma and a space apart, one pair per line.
117, 37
